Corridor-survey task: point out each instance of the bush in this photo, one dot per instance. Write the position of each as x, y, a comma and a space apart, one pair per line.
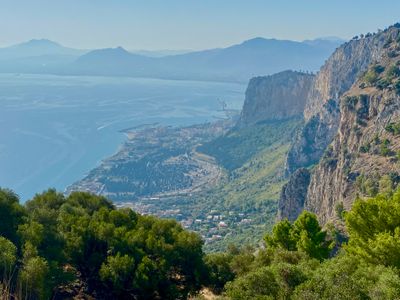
384, 148
365, 148
393, 128
370, 77
219, 270
393, 72
350, 102
346, 277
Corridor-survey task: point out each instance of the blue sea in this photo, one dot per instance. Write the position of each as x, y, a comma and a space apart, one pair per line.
54, 129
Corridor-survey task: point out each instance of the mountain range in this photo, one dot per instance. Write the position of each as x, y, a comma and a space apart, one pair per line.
258, 56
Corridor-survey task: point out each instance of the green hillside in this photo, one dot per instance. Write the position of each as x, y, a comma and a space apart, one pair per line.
253, 158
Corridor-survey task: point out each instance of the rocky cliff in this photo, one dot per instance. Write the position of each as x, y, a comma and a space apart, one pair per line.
293, 195
363, 157
275, 97
321, 112
353, 123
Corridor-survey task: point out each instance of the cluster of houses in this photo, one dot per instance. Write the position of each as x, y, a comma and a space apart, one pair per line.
212, 226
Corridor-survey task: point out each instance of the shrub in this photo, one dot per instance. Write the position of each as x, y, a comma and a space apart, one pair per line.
393, 128
393, 72
365, 148
350, 102
370, 77
384, 148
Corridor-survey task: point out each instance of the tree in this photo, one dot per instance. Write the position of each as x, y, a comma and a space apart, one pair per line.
11, 215
345, 277
304, 235
374, 229
219, 270
8, 259
281, 236
310, 237
34, 278
259, 284
118, 273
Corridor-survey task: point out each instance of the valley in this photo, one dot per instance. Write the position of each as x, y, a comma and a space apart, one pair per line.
221, 179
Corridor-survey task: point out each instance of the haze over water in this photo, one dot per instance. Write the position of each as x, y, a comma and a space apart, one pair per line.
54, 129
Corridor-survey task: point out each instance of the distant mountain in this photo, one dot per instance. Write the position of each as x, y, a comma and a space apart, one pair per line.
37, 56
240, 62
32, 48
112, 61
159, 53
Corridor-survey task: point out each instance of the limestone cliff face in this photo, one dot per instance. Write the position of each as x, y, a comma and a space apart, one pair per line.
322, 108
363, 157
293, 195
352, 127
275, 97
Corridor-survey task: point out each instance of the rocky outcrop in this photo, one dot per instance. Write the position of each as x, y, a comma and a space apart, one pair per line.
321, 112
276, 97
363, 157
350, 129
293, 195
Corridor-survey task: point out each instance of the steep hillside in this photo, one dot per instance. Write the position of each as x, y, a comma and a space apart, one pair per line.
321, 113
254, 160
356, 129
363, 157
275, 97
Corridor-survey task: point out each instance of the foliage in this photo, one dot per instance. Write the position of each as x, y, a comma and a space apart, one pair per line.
122, 255
374, 229
11, 215
393, 128
345, 277
304, 235
273, 274
117, 253
219, 270
371, 76
8, 257
393, 72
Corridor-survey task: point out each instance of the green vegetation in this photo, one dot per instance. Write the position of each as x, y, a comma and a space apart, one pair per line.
392, 72
254, 158
384, 148
377, 76
238, 146
55, 241
393, 128
62, 244
350, 102
367, 267
371, 77
304, 235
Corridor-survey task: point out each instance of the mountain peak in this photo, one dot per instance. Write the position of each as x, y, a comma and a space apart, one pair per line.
40, 43
118, 51
256, 41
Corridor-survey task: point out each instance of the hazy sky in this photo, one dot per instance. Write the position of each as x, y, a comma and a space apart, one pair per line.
187, 24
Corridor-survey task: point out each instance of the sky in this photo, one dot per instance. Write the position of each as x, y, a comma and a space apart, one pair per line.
188, 24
